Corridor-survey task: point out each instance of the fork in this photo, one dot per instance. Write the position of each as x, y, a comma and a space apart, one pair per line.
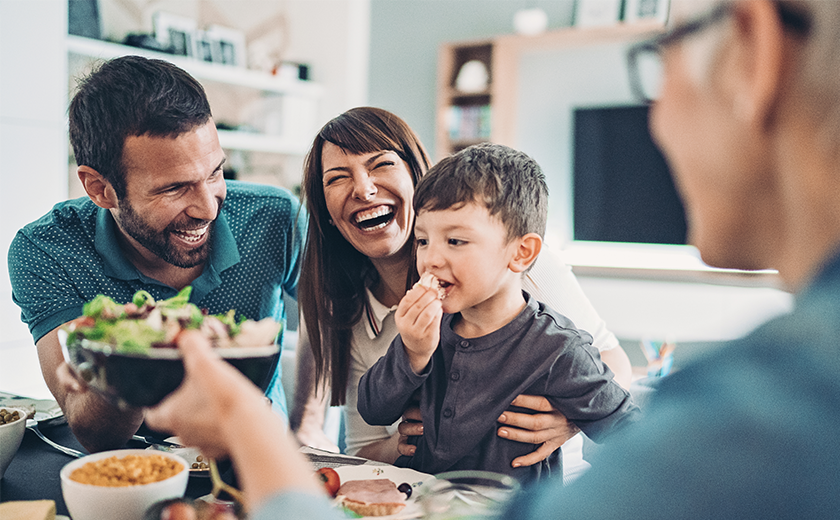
33, 425
220, 485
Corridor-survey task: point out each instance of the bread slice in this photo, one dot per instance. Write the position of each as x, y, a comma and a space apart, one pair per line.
373, 497
28, 510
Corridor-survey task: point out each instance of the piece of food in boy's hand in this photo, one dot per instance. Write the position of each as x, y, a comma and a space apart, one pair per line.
430, 281
144, 323
374, 497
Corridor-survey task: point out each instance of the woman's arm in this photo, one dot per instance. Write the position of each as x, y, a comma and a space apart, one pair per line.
384, 450
619, 363
306, 418
548, 428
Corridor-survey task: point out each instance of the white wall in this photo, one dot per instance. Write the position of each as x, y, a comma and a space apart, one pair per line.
33, 141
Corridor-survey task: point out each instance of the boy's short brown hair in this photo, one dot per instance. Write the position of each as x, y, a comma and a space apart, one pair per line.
509, 183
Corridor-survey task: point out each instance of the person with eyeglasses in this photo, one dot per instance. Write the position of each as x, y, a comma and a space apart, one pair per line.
746, 109
747, 115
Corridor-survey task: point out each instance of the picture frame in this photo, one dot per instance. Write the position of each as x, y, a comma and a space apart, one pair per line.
206, 48
636, 11
597, 13
175, 32
230, 45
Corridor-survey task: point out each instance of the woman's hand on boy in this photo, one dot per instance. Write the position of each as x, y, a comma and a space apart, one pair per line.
418, 320
549, 428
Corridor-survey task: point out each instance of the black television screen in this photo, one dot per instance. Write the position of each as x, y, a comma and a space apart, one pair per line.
622, 188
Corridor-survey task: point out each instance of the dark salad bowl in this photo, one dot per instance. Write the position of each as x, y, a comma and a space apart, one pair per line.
144, 379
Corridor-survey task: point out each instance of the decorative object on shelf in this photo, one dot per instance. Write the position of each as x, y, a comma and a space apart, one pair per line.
206, 48
597, 13
530, 21
646, 10
292, 71
229, 45
144, 41
472, 77
177, 33
83, 18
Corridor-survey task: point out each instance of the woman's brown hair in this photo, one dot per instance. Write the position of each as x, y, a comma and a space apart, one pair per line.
331, 290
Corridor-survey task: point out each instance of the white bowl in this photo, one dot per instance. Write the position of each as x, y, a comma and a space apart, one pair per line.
10, 436
89, 502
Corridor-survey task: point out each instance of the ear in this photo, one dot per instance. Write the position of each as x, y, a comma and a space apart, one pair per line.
97, 187
527, 249
760, 58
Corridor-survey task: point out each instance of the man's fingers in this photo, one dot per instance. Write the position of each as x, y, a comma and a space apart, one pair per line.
67, 378
532, 402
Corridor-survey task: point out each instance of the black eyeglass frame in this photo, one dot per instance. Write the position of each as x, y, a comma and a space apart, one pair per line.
659, 42
796, 21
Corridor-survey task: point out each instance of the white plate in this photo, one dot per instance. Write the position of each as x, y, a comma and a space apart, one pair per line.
395, 475
189, 454
46, 411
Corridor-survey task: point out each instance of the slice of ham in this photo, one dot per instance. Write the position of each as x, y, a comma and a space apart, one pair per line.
373, 497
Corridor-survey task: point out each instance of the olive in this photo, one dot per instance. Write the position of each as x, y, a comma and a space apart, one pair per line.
405, 487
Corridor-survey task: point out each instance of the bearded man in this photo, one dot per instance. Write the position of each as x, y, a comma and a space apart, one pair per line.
159, 216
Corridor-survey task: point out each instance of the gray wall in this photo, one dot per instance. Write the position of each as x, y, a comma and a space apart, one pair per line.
406, 34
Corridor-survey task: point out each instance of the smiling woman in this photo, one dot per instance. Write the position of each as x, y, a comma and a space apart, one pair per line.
358, 188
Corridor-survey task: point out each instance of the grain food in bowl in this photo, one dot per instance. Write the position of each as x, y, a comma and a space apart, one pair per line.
130, 470
106, 492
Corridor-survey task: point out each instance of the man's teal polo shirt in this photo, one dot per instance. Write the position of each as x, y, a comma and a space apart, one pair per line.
71, 254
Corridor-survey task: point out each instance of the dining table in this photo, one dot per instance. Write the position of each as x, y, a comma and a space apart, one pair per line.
34, 471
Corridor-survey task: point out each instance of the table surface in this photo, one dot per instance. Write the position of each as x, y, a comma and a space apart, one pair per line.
34, 472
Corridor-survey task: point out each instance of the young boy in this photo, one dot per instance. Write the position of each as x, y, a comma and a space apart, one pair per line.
481, 216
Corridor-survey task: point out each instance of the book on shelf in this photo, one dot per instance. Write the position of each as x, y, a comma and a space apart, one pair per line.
469, 122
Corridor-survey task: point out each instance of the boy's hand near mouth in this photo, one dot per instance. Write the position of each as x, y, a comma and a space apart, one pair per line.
418, 320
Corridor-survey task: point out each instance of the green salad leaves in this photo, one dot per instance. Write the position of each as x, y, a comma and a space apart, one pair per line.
145, 323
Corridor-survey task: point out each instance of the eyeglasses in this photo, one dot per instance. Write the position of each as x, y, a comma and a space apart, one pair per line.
644, 59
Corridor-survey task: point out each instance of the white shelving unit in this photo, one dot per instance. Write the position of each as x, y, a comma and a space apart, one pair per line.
223, 74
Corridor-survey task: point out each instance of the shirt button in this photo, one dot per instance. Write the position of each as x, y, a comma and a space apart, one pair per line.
448, 413
455, 375
465, 343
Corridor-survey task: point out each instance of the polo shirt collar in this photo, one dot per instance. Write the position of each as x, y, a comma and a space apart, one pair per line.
375, 313
224, 253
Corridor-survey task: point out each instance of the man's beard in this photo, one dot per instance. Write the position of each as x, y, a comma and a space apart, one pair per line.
159, 242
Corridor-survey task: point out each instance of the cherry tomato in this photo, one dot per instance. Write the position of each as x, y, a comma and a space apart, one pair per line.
330, 479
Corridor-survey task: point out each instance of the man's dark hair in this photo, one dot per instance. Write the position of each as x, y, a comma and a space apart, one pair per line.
131, 96
508, 182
